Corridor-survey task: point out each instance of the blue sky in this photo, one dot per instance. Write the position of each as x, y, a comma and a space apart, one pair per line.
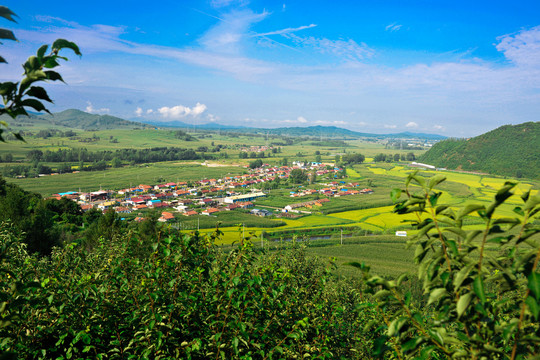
456, 68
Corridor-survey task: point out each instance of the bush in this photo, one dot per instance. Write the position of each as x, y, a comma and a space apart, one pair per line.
174, 297
480, 304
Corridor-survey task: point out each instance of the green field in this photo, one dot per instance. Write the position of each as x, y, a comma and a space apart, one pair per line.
124, 177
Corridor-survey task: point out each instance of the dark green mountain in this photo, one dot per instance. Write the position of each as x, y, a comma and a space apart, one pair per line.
510, 150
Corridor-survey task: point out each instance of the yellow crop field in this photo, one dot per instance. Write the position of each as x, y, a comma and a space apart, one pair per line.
353, 175
377, 171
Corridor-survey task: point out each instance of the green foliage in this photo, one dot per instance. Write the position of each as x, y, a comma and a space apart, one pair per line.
479, 304
6, 34
18, 96
174, 297
182, 135
510, 150
298, 176
351, 159
255, 164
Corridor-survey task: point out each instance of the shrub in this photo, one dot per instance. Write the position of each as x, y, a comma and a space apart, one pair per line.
173, 297
479, 304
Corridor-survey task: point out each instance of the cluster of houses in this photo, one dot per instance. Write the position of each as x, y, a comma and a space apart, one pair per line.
204, 197
333, 189
256, 149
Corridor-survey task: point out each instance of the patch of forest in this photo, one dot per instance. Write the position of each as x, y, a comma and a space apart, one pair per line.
510, 150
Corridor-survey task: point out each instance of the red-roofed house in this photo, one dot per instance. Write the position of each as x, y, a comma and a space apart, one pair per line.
210, 211
166, 216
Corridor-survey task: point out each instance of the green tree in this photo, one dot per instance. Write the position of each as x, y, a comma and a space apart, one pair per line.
379, 157
353, 158
116, 162
297, 176
255, 164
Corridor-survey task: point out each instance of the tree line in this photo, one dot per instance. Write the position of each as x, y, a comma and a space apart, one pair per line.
136, 156
100, 160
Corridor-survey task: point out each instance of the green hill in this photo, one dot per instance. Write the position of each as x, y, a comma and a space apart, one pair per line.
510, 150
75, 119
79, 119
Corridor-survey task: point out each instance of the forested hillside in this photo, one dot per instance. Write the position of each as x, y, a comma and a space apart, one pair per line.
510, 150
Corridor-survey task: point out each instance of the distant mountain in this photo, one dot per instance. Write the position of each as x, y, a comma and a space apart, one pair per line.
511, 150
312, 131
183, 125
337, 132
77, 119
410, 135
82, 120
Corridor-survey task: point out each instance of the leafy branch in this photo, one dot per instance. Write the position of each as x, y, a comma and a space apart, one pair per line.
17, 96
479, 305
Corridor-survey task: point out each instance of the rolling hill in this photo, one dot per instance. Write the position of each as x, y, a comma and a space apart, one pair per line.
510, 150
77, 119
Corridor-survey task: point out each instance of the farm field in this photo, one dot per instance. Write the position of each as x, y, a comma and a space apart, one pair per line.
124, 177
459, 189
111, 140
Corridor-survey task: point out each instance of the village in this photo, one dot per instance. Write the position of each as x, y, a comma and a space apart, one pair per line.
211, 196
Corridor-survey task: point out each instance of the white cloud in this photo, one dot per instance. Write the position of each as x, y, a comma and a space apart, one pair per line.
90, 109
390, 126
287, 30
328, 122
149, 111
411, 125
224, 3
139, 112
301, 119
393, 27
438, 127
347, 49
180, 111
226, 37
212, 118
522, 48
